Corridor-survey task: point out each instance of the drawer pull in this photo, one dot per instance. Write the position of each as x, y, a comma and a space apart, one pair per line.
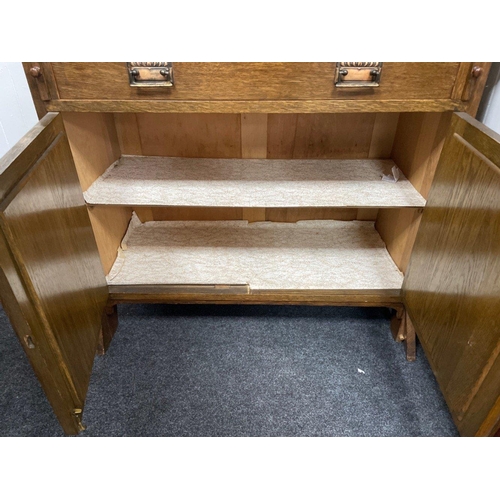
36, 72
477, 71
150, 74
358, 74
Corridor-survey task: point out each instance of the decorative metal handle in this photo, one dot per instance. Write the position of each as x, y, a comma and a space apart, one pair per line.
150, 74
358, 74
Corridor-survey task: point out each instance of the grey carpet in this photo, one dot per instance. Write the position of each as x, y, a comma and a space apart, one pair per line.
239, 371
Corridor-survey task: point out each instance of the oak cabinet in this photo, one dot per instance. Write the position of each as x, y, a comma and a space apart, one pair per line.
257, 183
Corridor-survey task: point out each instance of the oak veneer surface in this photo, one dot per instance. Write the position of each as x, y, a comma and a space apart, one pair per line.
452, 287
341, 106
417, 145
140, 180
256, 135
54, 265
306, 255
257, 214
330, 135
254, 81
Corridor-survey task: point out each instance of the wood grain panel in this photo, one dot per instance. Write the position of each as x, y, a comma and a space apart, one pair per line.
417, 145
24, 319
49, 237
190, 135
281, 135
345, 136
158, 294
127, 130
252, 214
452, 286
253, 135
253, 145
367, 214
384, 130
109, 224
474, 87
349, 135
398, 228
328, 136
263, 106
40, 104
296, 214
94, 144
254, 81
463, 75
320, 135
188, 213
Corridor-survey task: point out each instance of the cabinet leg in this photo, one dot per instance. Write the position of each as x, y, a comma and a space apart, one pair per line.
397, 325
108, 328
410, 340
403, 331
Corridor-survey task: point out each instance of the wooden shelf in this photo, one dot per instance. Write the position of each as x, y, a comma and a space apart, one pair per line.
307, 255
209, 182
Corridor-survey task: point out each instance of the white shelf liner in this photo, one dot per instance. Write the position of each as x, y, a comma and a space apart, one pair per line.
329, 255
161, 181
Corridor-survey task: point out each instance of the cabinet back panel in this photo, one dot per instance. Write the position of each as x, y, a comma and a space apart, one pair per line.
146, 214
190, 135
348, 135
201, 135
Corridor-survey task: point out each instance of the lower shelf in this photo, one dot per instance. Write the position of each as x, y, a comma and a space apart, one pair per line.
255, 258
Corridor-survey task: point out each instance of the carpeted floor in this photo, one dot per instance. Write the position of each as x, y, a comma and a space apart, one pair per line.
239, 371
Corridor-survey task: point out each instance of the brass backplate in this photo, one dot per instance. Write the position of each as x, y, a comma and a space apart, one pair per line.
358, 74
150, 74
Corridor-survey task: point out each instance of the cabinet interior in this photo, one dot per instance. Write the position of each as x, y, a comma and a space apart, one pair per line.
293, 162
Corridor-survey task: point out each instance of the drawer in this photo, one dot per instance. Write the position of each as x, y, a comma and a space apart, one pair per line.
254, 82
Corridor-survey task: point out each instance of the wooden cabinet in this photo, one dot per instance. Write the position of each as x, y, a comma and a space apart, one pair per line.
262, 184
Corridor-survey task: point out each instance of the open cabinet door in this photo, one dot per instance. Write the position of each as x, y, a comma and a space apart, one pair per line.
452, 287
52, 284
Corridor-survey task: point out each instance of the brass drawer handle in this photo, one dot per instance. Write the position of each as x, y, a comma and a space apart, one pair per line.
358, 74
150, 74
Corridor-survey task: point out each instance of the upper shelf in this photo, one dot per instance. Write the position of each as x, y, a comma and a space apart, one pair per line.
161, 181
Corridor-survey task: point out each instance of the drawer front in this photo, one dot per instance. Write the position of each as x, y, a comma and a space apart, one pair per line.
253, 82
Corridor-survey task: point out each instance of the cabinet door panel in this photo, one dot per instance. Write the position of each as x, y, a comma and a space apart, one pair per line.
452, 287
53, 286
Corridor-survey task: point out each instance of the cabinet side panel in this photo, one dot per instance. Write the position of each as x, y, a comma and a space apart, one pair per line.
109, 224
95, 146
417, 145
